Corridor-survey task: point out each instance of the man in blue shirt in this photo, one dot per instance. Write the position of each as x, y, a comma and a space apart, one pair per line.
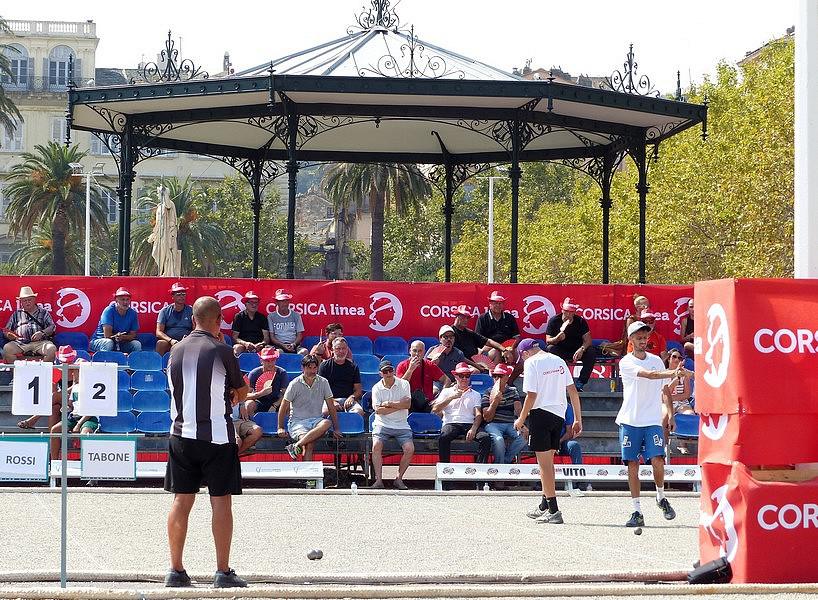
117, 327
175, 321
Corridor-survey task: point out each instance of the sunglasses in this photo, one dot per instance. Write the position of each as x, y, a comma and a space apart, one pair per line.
387, 370
676, 356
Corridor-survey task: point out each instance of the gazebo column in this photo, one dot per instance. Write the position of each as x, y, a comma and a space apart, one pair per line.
255, 186
642, 188
606, 203
448, 211
514, 174
292, 182
126, 179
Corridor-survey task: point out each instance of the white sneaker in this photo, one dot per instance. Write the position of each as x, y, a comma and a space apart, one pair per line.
551, 518
536, 512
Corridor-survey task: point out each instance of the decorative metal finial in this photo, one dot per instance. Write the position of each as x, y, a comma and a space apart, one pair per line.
628, 81
170, 69
379, 16
679, 96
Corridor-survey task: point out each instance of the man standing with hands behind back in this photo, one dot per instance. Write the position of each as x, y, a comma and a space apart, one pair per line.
205, 381
569, 337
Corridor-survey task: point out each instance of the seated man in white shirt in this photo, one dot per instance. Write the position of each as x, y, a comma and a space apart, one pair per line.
391, 400
459, 405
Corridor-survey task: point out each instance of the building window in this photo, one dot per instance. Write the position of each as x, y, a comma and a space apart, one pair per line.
100, 149
58, 66
58, 129
12, 141
4, 203
111, 203
18, 65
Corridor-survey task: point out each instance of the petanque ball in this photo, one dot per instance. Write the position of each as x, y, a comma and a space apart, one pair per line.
315, 554
637, 531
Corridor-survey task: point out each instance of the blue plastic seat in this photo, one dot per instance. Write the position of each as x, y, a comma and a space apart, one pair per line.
290, 362
151, 400
146, 360
123, 380
674, 345
75, 339
83, 354
366, 401
228, 340
371, 421
249, 361
123, 422
148, 340
687, 426
425, 424
480, 382
427, 341
153, 422
293, 374
165, 360
395, 359
149, 380
111, 356
124, 400
350, 423
359, 344
390, 344
268, 421
368, 380
690, 364
367, 363
309, 341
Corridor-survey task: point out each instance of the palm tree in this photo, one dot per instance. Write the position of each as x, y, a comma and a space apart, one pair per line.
201, 242
386, 186
35, 257
9, 115
42, 191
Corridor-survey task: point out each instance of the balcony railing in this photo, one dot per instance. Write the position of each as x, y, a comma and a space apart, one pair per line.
54, 28
33, 85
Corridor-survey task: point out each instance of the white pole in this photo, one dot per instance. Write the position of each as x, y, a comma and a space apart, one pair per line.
87, 224
806, 140
491, 230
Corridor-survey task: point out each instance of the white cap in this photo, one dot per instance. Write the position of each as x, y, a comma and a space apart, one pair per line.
445, 329
636, 326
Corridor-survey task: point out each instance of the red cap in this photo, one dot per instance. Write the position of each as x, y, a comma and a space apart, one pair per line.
570, 304
251, 295
269, 353
502, 369
66, 354
177, 287
496, 297
461, 310
282, 294
121, 292
463, 368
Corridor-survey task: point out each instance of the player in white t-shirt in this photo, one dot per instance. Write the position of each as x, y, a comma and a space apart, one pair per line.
641, 418
546, 380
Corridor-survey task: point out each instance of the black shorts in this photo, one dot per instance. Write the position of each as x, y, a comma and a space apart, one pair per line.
191, 461
545, 430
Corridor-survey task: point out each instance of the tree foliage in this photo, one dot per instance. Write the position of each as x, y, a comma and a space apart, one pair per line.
9, 113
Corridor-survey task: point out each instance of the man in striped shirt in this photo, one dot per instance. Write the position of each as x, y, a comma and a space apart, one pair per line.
205, 381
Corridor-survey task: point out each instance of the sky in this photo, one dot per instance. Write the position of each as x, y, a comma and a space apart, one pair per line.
580, 36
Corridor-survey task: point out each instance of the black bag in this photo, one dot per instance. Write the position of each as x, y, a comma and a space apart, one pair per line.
420, 403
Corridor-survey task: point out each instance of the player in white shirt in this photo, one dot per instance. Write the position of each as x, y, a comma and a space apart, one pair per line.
641, 418
546, 380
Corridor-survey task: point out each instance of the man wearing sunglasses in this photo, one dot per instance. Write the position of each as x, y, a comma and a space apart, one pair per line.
500, 406
459, 405
391, 401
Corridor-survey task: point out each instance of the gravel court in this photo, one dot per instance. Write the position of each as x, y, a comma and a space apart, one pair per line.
365, 533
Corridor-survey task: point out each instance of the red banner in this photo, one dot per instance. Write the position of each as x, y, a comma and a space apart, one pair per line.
763, 528
364, 308
756, 343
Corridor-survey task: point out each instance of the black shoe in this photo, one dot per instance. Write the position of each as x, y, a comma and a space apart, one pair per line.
667, 510
227, 579
176, 578
636, 520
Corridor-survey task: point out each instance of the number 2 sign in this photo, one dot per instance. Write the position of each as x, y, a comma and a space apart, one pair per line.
31, 391
97, 390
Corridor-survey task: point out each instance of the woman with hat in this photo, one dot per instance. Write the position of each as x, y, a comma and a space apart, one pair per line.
117, 327
29, 330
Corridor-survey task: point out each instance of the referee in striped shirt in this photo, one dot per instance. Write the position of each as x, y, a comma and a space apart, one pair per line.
205, 382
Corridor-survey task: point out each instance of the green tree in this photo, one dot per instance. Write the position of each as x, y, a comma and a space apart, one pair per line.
200, 240
9, 114
413, 243
35, 256
42, 190
385, 187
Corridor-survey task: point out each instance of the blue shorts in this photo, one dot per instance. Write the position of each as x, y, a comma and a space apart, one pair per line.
648, 441
298, 428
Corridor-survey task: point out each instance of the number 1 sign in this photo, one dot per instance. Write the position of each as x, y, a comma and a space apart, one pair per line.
31, 392
97, 390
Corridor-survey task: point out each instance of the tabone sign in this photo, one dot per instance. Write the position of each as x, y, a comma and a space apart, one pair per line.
108, 459
24, 460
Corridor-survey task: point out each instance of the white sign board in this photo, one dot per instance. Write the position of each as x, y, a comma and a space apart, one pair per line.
24, 460
562, 472
97, 390
108, 459
31, 391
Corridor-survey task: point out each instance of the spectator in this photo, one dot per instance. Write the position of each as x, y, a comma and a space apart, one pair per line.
500, 326
248, 433
391, 401
175, 321
620, 346
569, 337
445, 355
500, 407
546, 382
641, 419
656, 342
65, 354
267, 383
459, 405
117, 327
29, 330
323, 349
470, 342
678, 389
686, 327
76, 423
421, 373
344, 379
569, 446
286, 326
307, 394
250, 329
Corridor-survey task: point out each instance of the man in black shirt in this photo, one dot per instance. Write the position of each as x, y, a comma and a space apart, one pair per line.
569, 337
468, 341
498, 325
250, 329
344, 379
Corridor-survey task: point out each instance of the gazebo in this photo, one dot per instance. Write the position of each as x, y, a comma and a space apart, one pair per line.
379, 94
